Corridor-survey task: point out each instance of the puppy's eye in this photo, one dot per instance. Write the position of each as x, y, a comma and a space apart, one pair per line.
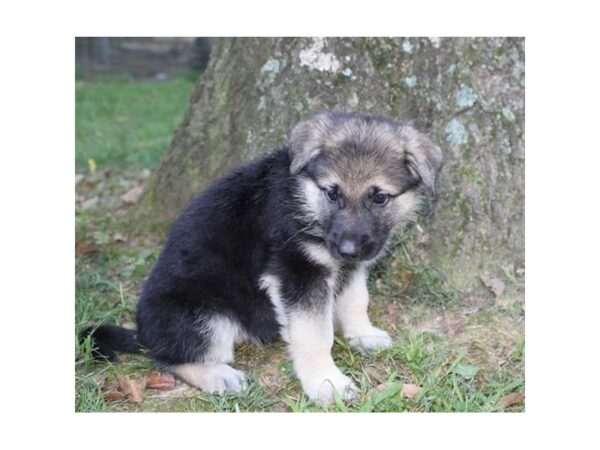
380, 198
331, 194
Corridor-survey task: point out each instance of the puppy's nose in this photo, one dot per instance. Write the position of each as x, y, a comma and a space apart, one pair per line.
348, 249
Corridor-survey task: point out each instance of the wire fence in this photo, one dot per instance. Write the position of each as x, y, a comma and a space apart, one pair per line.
140, 57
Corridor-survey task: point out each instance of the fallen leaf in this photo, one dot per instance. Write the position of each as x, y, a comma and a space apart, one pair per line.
456, 327
85, 248
392, 308
157, 380
424, 239
406, 278
133, 195
90, 202
506, 303
118, 237
144, 174
91, 165
374, 374
78, 178
383, 386
493, 284
132, 389
410, 391
514, 398
113, 396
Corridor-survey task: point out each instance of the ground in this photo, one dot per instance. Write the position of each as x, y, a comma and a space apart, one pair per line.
454, 350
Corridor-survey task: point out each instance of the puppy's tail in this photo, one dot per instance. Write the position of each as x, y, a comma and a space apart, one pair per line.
108, 339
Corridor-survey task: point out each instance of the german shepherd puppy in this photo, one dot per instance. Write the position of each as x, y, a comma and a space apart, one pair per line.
280, 249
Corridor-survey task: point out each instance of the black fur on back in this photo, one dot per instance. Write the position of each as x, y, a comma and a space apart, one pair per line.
241, 227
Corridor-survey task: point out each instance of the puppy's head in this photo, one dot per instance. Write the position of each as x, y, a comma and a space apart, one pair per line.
360, 176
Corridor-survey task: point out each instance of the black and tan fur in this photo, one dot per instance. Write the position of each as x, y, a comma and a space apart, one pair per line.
280, 249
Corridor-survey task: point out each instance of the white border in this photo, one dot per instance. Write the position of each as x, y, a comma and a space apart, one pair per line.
562, 223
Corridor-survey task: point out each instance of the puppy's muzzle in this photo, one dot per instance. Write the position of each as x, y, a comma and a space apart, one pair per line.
351, 247
348, 249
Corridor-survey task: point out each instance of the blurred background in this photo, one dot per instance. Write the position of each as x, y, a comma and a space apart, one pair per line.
158, 58
131, 93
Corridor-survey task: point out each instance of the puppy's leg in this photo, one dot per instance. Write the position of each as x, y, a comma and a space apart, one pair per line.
213, 374
310, 334
351, 313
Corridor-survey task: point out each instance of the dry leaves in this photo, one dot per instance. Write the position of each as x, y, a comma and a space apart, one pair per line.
514, 398
493, 284
163, 382
374, 374
410, 391
132, 390
118, 237
89, 202
133, 195
85, 248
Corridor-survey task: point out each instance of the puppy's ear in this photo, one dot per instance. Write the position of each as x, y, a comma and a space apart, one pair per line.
306, 141
423, 158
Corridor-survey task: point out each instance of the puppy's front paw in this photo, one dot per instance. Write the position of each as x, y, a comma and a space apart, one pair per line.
320, 388
223, 378
370, 340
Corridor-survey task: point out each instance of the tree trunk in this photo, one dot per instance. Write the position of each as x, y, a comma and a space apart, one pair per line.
466, 94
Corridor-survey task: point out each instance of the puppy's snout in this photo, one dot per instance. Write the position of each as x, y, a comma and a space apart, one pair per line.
348, 248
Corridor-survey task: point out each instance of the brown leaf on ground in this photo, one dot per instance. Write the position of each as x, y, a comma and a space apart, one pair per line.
374, 374
393, 309
410, 391
406, 278
514, 398
114, 396
157, 380
132, 389
133, 195
84, 248
382, 387
118, 237
493, 284
89, 203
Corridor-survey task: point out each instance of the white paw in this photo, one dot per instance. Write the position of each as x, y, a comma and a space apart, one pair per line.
220, 378
370, 340
320, 388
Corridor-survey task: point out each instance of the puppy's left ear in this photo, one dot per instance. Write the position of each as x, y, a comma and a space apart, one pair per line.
424, 159
306, 141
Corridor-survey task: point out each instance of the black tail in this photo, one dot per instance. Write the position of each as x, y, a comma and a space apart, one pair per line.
108, 339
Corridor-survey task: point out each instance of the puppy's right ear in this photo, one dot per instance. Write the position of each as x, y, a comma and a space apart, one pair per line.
306, 141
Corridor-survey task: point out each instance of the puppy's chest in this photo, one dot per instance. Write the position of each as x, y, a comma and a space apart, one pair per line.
342, 277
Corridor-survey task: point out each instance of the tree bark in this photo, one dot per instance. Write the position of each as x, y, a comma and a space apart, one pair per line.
466, 94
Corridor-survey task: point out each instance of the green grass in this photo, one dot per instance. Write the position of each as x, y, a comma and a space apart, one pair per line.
464, 353
127, 123
450, 371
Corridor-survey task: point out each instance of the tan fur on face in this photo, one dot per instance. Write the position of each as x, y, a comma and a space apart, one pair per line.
364, 148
